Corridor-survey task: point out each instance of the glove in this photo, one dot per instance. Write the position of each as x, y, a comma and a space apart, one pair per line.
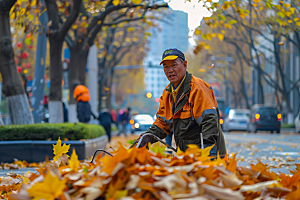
145, 141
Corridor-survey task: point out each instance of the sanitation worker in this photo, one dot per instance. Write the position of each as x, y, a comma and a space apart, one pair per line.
188, 109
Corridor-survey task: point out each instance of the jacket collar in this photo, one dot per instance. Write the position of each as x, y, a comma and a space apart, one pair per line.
186, 83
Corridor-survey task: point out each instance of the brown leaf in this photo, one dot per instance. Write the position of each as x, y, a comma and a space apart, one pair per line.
231, 180
222, 193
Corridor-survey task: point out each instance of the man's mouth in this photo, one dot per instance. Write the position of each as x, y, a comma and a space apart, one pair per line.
171, 76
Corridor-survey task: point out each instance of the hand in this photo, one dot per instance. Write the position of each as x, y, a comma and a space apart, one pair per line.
145, 141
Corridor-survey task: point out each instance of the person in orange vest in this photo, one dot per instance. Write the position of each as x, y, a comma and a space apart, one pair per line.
188, 109
82, 96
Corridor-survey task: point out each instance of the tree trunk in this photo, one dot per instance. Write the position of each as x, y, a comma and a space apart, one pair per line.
82, 68
77, 61
18, 106
55, 105
285, 94
12, 85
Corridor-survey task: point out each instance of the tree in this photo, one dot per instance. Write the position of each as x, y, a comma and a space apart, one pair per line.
129, 39
17, 102
107, 13
56, 34
255, 21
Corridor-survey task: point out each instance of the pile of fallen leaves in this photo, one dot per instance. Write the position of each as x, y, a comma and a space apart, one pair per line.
139, 173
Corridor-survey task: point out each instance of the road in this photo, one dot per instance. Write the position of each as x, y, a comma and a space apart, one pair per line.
278, 150
275, 149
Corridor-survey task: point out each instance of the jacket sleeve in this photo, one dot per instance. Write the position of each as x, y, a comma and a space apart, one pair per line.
159, 128
204, 108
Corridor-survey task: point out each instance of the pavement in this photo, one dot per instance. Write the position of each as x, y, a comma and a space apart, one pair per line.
277, 150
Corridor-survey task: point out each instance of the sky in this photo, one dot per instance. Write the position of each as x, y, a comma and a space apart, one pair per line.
195, 11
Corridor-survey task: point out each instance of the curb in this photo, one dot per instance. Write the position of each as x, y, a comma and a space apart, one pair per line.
37, 151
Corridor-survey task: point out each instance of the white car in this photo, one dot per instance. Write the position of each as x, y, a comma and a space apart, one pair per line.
237, 119
297, 123
140, 122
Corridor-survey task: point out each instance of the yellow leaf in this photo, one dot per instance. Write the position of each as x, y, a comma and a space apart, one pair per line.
136, 1
121, 193
197, 32
157, 149
298, 23
22, 11
292, 10
202, 70
222, 31
256, 1
296, 19
51, 188
220, 36
13, 15
58, 150
31, 17
209, 36
214, 35
287, 5
290, 21
255, 5
227, 26
207, 47
74, 26
106, 88
84, 18
25, 180
74, 162
206, 151
179, 152
116, 2
33, 3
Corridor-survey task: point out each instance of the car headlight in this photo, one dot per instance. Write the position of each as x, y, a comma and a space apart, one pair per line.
136, 125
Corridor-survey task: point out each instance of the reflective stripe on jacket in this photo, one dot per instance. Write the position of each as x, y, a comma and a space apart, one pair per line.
194, 111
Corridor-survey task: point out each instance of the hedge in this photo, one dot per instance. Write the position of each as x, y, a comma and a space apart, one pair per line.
288, 125
71, 131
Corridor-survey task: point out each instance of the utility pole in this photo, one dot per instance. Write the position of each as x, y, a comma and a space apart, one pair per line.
37, 100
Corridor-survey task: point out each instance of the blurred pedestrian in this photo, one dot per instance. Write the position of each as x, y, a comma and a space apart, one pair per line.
82, 96
113, 116
124, 121
105, 119
65, 110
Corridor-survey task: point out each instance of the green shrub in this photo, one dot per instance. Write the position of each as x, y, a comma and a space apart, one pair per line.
288, 125
47, 131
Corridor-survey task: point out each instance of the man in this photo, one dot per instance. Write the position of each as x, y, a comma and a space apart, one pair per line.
187, 108
105, 119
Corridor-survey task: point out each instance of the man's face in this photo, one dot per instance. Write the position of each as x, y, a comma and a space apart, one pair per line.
174, 70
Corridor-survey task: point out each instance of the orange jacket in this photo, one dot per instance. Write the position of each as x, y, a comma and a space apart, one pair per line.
194, 111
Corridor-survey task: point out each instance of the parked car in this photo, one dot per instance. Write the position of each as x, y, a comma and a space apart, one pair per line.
297, 123
264, 118
140, 122
237, 119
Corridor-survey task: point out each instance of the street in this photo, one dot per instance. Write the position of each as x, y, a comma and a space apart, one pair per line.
275, 149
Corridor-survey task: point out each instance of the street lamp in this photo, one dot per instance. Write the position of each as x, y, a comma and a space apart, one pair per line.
149, 95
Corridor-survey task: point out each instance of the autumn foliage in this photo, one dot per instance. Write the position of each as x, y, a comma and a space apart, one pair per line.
139, 173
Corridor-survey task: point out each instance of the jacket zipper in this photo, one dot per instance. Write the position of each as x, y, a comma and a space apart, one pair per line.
175, 114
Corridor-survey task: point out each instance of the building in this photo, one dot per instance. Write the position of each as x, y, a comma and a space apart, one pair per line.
171, 36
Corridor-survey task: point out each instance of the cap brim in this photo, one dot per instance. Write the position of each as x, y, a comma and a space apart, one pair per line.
168, 58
